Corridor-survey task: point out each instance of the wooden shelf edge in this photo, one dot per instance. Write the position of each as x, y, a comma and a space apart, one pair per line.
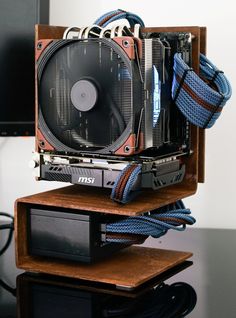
98, 199
115, 270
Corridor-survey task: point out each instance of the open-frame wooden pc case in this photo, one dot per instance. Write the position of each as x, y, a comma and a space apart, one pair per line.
96, 200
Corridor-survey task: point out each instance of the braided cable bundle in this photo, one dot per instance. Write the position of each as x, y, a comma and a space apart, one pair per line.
200, 99
115, 15
156, 224
123, 189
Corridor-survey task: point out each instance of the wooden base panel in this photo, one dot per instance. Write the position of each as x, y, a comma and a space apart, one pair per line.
127, 270
90, 286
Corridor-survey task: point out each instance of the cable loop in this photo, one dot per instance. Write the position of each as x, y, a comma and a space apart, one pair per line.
194, 95
115, 15
155, 223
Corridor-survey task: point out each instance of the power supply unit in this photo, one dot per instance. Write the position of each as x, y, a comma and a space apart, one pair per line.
68, 234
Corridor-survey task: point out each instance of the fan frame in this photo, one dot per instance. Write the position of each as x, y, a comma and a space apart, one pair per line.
130, 141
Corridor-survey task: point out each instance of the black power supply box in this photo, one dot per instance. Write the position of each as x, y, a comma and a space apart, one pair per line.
68, 234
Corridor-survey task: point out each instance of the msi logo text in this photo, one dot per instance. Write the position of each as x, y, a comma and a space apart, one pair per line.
88, 180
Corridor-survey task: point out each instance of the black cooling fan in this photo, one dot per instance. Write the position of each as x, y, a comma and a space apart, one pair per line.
89, 95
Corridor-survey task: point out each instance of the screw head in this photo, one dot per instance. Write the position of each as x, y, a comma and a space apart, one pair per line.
127, 148
125, 43
41, 143
39, 45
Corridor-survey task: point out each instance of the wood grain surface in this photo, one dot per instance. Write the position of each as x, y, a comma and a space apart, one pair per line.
25, 281
127, 269
98, 199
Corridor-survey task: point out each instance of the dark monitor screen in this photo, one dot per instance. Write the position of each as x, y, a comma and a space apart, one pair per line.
17, 88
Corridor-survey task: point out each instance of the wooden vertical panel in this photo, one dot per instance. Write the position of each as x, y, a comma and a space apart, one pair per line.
48, 32
21, 237
23, 293
202, 135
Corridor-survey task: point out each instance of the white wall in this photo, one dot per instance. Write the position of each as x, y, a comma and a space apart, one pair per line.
215, 204
16, 179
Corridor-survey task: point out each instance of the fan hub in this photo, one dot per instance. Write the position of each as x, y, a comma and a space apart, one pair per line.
84, 95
